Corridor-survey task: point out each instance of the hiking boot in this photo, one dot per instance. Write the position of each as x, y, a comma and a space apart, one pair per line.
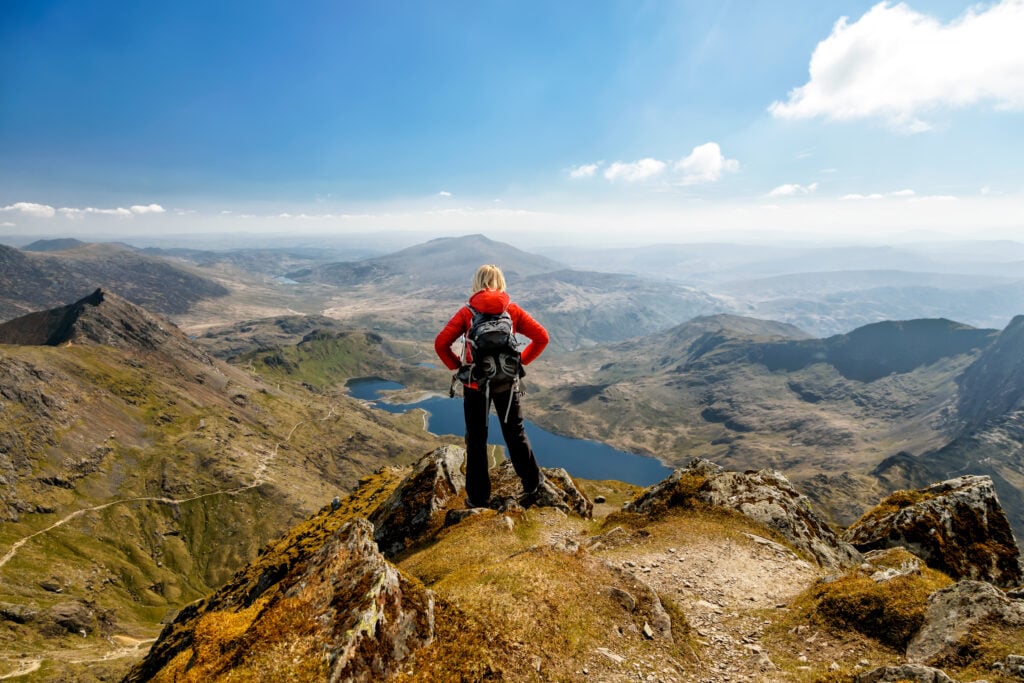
545, 495
470, 504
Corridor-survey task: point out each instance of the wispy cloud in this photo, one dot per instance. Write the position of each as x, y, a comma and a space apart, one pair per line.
73, 213
444, 193
148, 208
7, 224
880, 195
584, 170
31, 209
46, 211
705, 164
635, 171
896, 64
792, 189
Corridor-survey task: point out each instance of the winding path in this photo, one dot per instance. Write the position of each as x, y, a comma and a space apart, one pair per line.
258, 480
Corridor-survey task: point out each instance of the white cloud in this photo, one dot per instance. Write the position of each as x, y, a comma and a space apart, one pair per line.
705, 164
444, 193
879, 195
584, 171
79, 213
792, 189
149, 208
897, 64
7, 225
28, 208
635, 171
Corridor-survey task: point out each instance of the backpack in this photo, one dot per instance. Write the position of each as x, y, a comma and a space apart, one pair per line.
492, 342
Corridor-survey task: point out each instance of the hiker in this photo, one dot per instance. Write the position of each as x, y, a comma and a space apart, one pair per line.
484, 383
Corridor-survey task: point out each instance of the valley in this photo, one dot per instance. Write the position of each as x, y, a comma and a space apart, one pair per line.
144, 462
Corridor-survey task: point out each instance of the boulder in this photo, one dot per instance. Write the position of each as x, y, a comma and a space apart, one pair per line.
765, 496
955, 526
409, 513
73, 617
904, 673
338, 610
952, 613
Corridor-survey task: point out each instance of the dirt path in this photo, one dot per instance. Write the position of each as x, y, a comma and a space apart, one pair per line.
125, 646
258, 476
727, 587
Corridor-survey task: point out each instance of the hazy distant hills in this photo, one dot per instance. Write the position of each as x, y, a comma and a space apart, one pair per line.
830, 290
36, 280
411, 293
444, 262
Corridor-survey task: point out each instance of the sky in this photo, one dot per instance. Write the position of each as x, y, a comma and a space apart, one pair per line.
594, 121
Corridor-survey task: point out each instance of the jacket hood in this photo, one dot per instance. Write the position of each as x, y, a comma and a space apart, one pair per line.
489, 301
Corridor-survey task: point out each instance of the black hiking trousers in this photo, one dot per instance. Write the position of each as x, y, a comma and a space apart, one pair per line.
476, 406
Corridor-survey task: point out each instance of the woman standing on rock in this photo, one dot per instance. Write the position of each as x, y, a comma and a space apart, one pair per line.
490, 308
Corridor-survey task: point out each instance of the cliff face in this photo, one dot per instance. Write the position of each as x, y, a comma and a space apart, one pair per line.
993, 385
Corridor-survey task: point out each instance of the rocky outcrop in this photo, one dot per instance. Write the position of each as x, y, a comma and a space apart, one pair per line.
101, 318
955, 526
410, 512
954, 611
433, 496
317, 608
765, 496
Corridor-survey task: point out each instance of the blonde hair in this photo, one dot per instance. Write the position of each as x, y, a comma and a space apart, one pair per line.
488, 277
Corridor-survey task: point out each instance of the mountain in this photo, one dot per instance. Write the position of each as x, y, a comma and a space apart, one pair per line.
832, 290
101, 318
411, 294
750, 393
584, 308
990, 436
138, 473
32, 280
62, 244
444, 262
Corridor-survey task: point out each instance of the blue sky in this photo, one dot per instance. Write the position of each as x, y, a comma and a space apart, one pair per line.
617, 121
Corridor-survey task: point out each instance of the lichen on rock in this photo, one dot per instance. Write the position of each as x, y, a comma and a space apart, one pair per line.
765, 496
956, 526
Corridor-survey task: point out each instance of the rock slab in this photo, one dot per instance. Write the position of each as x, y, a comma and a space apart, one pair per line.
331, 610
955, 526
955, 610
765, 496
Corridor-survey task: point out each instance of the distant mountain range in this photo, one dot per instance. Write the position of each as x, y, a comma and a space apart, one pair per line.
59, 271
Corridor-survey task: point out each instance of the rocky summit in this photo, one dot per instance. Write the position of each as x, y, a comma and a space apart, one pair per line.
696, 579
956, 526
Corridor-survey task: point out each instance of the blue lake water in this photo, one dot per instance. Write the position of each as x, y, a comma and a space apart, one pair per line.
580, 458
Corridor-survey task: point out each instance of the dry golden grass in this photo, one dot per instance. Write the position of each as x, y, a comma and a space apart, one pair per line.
520, 600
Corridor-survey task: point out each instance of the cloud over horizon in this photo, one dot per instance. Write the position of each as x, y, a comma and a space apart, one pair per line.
897, 65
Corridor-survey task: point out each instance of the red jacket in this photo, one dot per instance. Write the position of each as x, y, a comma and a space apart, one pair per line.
490, 301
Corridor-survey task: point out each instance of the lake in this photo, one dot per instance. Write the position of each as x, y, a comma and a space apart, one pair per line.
579, 457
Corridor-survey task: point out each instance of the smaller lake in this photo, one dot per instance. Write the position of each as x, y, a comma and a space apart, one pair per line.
580, 458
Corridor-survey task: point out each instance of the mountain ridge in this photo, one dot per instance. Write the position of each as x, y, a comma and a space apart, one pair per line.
31, 281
